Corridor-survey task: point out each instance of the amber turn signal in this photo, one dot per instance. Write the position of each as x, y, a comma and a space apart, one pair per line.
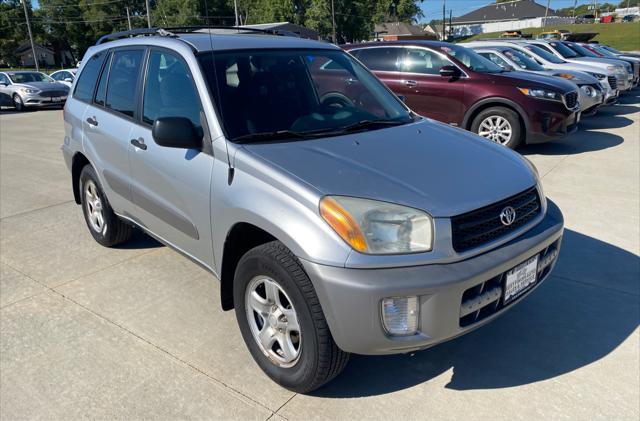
342, 223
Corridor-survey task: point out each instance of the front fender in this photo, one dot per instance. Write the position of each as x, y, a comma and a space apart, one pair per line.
274, 201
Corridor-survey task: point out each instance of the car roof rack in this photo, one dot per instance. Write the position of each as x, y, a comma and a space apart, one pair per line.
135, 33
172, 31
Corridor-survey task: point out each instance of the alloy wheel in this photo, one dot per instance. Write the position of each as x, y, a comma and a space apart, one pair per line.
273, 321
93, 203
496, 128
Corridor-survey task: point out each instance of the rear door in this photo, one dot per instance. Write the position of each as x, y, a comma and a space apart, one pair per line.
108, 122
384, 62
171, 186
428, 93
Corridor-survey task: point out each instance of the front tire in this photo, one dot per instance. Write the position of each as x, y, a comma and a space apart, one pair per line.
18, 104
499, 124
104, 225
282, 322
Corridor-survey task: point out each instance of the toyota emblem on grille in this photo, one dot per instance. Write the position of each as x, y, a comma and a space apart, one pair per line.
508, 215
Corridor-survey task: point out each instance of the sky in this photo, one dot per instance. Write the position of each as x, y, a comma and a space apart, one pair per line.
432, 9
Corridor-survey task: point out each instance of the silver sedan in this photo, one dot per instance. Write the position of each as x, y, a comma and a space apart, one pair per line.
32, 89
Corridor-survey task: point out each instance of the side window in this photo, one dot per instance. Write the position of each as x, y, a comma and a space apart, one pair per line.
57, 76
423, 61
101, 92
169, 89
123, 79
496, 59
89, 77
382, 59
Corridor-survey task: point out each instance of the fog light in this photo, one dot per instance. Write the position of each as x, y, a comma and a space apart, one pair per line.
400, 315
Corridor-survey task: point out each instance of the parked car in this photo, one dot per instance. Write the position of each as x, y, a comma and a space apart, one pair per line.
603, 52
337, 220
557, 34
631, 65
5, 100
607, 78
455, 85
65, 76
591, 96
32, 89
617, 52
622, 70
629, 18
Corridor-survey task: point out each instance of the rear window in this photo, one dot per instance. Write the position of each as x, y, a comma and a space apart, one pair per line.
380, 59
123, 80
89, 77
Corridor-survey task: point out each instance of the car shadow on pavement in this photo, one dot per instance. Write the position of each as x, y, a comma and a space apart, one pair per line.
584, 140
562, 326
139, 241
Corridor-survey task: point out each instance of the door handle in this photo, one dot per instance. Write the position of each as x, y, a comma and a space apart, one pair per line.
139, 143
92, 121
410, 83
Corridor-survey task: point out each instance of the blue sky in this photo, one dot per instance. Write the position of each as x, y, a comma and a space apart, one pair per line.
432, 9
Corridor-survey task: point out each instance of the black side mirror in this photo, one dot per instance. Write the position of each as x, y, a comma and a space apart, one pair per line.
450, 71
176, 132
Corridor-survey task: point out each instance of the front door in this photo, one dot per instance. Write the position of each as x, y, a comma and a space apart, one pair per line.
425, 91
170, 186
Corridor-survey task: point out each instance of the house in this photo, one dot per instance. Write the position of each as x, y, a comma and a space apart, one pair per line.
45, 56
286, 28
394, 31
507, 16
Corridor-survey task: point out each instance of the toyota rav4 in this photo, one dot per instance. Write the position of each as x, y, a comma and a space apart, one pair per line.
336, 220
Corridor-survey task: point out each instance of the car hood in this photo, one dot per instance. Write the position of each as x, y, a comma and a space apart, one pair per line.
534, 80
43, 86
600, 61
578, 77
440, 169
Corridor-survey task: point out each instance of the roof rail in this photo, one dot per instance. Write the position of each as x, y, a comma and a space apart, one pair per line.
172, 31
135, 33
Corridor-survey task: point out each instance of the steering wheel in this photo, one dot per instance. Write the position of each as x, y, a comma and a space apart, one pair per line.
335, 100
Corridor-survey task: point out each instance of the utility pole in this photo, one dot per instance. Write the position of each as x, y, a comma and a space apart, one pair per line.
546, 13
128, 17
333, 23
450, 21
148, 15
575, 3
33, 47
444, 21
235, 7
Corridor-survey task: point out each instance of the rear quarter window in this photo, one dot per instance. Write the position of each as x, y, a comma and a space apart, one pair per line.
89, 77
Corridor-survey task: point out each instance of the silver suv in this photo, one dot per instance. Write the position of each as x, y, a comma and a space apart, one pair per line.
336, 220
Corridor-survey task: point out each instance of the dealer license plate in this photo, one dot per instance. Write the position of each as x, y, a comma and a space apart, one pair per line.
520, 279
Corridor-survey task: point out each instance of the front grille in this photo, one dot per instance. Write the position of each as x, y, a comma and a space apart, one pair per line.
53, 93
481, 226
487, 298
571, 100
613, 82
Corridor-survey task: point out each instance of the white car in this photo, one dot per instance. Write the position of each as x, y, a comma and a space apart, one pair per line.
65, 76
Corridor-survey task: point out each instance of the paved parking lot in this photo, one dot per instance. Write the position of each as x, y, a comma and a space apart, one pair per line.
137, 332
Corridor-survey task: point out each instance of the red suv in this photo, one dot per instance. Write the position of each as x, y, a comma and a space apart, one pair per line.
457, 86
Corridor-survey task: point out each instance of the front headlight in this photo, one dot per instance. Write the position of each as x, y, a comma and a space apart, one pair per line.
29, 90
541, 93
619, 70
588, 91
598, 76
374, 227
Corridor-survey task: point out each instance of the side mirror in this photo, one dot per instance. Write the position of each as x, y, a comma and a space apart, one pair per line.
4, 84
176, 132
402, 98
68, 79
449, 71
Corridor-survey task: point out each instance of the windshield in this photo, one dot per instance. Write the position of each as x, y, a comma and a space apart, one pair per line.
26, 77
522, 60
543, 54
564, 51
603, 51
581, 50
613, 50
471, 59
289, 93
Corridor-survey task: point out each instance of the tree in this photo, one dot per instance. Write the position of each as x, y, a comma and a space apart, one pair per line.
13, 29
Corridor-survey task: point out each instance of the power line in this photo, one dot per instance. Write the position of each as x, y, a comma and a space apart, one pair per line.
64, 6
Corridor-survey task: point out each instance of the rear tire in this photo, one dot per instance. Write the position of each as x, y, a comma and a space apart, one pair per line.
293, 316
104, 225
499, 124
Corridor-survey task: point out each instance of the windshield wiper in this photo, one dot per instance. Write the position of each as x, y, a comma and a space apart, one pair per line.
265, 136
362, 124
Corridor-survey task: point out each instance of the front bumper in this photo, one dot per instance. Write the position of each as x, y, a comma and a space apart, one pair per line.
42, 99
351, 298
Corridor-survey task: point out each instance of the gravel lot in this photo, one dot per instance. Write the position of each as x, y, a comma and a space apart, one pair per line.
137, 332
